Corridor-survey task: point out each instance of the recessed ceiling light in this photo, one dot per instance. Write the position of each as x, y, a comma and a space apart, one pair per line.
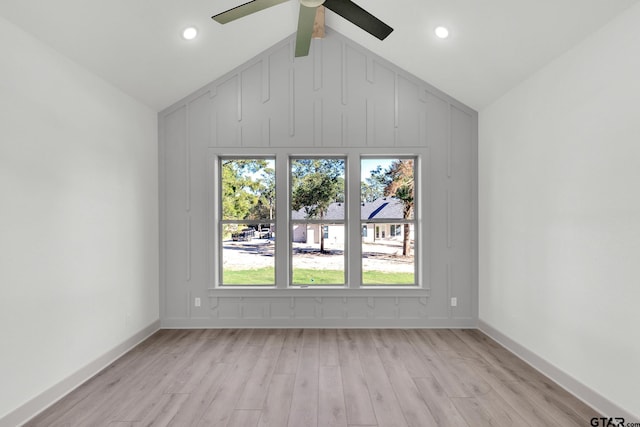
442, 32
189, 33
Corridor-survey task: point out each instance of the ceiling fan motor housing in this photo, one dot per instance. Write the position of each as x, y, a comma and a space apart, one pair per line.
311, 3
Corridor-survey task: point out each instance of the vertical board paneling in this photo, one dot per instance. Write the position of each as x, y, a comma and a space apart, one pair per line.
213, 119
340, 95
199, 139
410, 110
266, 88
278, 105
332, 105
462, 218
383, 96
252, 106
188, 249
226, 110
317, 47
437, 135
200, 122
317, 122
306, 127
344, 77
356, 90
175, 130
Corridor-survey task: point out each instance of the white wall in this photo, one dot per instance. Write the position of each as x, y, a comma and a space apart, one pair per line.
78, 217
560, 213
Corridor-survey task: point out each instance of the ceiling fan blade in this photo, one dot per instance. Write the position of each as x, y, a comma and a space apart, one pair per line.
244, 10
363, 19
305, 28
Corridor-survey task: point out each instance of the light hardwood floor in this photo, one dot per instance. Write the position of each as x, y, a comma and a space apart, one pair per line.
326, 377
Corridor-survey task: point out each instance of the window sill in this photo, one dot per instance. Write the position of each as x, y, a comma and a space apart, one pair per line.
319, 292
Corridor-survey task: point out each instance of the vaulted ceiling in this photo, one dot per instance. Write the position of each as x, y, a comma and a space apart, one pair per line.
136, 44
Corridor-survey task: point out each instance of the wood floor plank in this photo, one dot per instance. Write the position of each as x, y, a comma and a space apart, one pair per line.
440, 405
255, 391
328, 342
221, 408
385, 403
163, 411
81, 401
290, 353
356, 393
403, 352
513, 367
184, 341
415, 410
105, 379
516, 397
201, 397
259, 336
235, 345
440, 369
288, 360
204, 360
293, 338
115, 398
304, 404
489, 410
244, 418
472, 382
448, 342
275, 412
303, 377
147, 396
559, 403
310, 338
331, 406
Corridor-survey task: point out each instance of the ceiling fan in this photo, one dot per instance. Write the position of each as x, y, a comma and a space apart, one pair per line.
345, 8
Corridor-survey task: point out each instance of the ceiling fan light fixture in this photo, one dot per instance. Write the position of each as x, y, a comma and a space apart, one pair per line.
189, 33
441, 32
311, 3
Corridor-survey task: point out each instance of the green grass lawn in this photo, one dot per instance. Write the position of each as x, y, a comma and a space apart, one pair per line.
255, 276
301, 276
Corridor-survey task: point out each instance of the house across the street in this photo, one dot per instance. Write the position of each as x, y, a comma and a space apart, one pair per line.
385, 208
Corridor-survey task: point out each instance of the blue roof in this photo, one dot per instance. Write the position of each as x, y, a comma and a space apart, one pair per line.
382, 208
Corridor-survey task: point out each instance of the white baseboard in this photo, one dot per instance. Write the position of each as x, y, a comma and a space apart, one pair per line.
41, 402
589, 396
208, 323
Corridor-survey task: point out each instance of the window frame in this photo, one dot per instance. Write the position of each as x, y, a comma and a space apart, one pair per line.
221, 222
344, 221
352, 221
379, 225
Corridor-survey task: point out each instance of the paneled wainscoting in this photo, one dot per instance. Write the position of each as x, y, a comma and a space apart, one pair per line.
318, 377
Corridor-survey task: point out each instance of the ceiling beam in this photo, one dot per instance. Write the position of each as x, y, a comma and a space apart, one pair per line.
318, 24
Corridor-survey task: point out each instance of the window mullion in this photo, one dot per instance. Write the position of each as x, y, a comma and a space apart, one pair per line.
354, 248
283, 228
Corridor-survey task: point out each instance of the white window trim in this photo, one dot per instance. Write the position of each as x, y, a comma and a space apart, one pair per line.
353, 247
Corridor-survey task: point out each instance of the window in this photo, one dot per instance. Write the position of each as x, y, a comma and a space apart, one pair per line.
387, 193
247, 221
317, 196
348, 221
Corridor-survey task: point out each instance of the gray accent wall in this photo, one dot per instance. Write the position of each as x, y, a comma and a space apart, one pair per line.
341, 96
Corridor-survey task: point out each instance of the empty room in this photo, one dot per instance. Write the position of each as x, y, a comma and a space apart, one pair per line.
319, 213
